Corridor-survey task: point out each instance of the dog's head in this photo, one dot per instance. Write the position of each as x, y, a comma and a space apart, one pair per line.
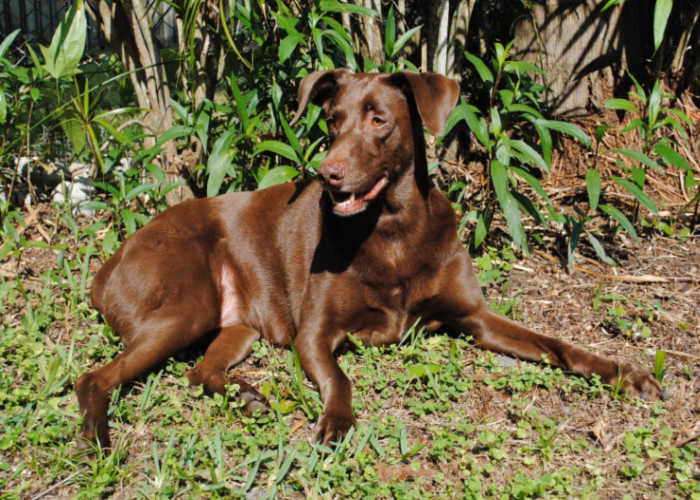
373, 119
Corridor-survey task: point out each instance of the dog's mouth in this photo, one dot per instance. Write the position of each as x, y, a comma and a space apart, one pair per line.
347, 204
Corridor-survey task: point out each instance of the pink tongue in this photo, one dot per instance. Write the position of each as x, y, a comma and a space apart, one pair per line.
376, 189
354, 204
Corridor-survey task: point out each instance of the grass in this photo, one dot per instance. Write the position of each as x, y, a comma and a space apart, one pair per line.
437, 418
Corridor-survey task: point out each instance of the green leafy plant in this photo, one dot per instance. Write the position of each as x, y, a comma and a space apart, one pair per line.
659, 369
652, 119
503, 128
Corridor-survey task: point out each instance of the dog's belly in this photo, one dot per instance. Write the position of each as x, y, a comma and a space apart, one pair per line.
230, 303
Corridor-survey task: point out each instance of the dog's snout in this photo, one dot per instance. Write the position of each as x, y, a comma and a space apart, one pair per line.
333, 173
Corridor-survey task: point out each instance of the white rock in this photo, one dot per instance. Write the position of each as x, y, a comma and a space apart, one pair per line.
79, 191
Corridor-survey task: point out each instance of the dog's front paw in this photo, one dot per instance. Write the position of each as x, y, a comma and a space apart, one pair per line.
640, 383
332, 428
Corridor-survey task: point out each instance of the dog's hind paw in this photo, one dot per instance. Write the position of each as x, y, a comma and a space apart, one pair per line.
641, 383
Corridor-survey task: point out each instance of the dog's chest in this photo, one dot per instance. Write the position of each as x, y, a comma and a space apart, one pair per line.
392, 308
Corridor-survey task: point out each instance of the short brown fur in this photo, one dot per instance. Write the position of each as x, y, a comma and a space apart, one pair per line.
368, 248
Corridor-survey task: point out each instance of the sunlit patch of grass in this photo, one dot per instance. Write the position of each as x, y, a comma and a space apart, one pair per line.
436, 417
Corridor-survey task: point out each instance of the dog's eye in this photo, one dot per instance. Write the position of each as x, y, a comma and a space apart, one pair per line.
377, 121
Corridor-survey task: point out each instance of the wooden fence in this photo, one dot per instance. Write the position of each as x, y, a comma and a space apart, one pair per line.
38, 19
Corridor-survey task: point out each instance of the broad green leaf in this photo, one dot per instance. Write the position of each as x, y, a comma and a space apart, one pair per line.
667, 120
114, 132
129, 219
181, 111
681, 115
521, 67
523, 108
506, 97
499, 177
312, 147
527, 206
287, 46
291, 136
75, 132
640, 90
637, 192
277, 175
640, 157
654, 102
671, 157
662, 9
481, 68
501, 54
343, 45
3, 107
633, 124
333, 6
316, 34
219, 162
7, 42
279, 148
390, 32
532, 181
405, 38
63, 55
476, 125
175, 132
454, 118
620, 104
533, 156
504, 152
495, 127
599, 250
568, 129
96, 205
621, 218
638, 175
593, 187
481, 230
545, 138
142, 188
610, 3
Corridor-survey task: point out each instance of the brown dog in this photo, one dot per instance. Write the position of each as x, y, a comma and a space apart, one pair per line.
367, 248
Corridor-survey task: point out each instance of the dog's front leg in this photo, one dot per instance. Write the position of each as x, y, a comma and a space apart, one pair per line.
467, 311
497, 333
316, 356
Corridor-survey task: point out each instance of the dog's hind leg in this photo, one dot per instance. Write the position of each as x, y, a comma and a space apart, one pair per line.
231, 346
152, 343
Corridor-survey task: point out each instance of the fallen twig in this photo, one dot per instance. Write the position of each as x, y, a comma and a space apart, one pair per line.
58, 484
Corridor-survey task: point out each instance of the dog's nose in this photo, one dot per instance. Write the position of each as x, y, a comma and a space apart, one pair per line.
332, 173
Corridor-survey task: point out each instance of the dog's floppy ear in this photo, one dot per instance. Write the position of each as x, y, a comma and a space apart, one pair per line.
316, 87
435, 96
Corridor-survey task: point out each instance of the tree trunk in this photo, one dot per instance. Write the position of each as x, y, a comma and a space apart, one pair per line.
581, 49
459, 28
373, 34
430, 34
126, 27
443, 37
